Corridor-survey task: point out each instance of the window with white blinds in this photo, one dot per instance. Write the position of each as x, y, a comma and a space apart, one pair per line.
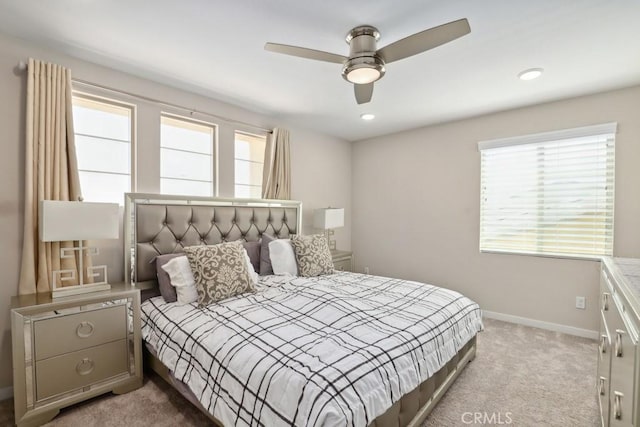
249, 164
104, 137
186, 156
550, 193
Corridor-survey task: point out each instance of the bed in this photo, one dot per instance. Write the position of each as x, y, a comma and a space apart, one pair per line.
339, 349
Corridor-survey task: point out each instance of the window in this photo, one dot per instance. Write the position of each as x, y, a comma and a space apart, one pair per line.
103, 135
249, 163
186, 157
549, 194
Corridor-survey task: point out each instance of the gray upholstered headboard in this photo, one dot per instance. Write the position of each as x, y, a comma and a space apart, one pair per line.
157, 224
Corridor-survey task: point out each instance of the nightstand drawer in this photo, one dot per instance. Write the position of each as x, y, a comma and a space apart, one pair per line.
342, 265
78, 369
64, 334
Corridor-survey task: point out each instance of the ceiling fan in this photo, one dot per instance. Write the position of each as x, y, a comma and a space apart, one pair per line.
366, 64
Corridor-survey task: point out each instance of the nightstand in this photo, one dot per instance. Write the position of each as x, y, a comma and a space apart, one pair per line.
69, 349
342, 260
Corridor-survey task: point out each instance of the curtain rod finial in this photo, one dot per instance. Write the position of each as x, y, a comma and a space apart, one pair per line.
22, 65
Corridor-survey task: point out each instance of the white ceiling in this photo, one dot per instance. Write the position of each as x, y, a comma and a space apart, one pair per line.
216, 48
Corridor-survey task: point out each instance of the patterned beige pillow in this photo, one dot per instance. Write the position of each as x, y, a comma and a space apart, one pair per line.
220, 271
313, 255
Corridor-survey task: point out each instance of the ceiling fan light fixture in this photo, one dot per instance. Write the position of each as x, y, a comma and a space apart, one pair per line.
363, 75
363, 70
366, 63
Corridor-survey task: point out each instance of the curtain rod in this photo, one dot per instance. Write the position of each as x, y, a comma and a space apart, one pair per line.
23, 66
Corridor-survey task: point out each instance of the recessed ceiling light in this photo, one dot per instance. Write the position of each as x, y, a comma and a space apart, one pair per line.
530, 74
367, 116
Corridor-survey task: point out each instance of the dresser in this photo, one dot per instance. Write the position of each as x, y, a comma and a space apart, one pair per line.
618, 381
342, 260
69, 349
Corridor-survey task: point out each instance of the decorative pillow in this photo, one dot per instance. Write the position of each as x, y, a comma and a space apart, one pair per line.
265, 259
283, 260
167, 291
253, 249
220, 271
313, 255
182, 279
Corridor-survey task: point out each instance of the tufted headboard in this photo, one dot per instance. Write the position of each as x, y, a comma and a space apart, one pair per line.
157, 224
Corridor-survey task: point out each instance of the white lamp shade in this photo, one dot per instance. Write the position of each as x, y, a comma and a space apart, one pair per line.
327, 218
62, 221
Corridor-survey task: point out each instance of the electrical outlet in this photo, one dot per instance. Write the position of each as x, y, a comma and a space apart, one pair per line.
366, 270
581, 303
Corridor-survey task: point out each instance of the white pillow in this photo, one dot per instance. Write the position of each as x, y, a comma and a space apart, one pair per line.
179, 272
283, 259
252, 273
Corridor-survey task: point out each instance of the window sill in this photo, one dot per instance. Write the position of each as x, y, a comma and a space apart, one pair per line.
597, 258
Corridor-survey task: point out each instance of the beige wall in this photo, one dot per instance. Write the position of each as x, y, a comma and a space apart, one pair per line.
321, 164
416, 209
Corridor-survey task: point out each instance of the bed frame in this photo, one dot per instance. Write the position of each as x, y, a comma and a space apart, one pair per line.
158, 224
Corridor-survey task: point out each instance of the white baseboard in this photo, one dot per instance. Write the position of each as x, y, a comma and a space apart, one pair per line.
556, 327
6, 393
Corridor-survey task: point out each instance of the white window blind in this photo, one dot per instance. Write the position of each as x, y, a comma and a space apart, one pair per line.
550, 193
103, 136
186, 156
249, 164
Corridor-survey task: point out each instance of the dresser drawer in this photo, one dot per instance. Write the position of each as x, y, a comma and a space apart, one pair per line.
64, 334
342, 265
623, 361
623, 354
78, 369
603, 382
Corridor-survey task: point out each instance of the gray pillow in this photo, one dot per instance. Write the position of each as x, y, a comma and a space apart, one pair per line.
313, 255
265, 260
167, 291
220, 271
253, 249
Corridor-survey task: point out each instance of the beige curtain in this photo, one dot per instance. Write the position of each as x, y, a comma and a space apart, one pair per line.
276, 179
51, 171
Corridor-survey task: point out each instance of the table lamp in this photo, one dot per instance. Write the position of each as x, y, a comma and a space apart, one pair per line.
62, 221
327, 219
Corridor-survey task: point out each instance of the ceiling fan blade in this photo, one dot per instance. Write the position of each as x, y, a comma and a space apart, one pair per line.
363, 92
425, 40
303, 52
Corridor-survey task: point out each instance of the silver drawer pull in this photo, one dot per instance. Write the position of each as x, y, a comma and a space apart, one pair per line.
617, 405
603, 343
605, 301
85, 329
85, 366
619, 333
601, 386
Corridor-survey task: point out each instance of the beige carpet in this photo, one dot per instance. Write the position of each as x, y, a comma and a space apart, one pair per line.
530, 376
521, 376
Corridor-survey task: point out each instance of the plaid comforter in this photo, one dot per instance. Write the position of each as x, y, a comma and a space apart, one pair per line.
335, 350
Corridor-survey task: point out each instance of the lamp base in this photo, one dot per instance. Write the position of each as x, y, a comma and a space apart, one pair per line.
93, 272
79, 289
330, 242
